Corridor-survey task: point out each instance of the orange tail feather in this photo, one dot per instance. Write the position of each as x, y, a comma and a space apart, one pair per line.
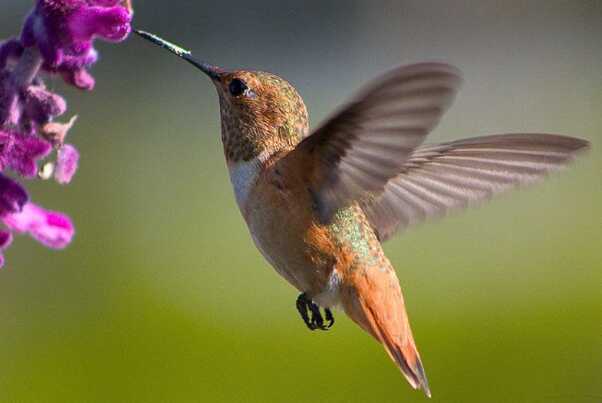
376, 304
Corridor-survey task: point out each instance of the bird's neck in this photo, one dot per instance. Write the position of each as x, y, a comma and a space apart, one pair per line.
247, 138
244, 143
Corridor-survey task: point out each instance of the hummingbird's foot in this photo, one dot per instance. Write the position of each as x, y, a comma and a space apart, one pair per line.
306, 306
329, 318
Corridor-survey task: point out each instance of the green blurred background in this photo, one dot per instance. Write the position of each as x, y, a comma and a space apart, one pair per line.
162, 296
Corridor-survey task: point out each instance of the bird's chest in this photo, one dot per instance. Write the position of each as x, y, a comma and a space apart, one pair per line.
279, 216
244, 176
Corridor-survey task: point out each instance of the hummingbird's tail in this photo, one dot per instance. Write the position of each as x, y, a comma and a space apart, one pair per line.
374, 301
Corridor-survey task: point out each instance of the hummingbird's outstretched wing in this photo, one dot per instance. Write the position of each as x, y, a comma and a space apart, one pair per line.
367, 143
370, 152
443, 177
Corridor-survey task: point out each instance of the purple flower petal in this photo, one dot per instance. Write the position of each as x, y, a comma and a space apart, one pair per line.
12, 196
42, 105
66, 164
5, 239
79, 78
21, 152
107, 3
76, 62
52, 229
6, 144
109, 23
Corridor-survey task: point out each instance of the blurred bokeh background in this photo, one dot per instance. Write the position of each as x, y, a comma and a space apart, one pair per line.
162, 297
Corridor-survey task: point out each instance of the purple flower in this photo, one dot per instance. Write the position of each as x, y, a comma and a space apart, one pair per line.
20, 152
51, 228
66, 164
12, 196
63, 30
42, 105
57, 37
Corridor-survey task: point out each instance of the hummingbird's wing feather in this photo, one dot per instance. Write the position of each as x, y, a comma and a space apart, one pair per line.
367, 142
442, 177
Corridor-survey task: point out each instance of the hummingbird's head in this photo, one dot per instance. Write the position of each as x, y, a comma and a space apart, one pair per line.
260, 112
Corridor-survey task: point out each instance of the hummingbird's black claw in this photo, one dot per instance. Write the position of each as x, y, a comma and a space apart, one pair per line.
316, 316
329, 318
302, 305
305, 306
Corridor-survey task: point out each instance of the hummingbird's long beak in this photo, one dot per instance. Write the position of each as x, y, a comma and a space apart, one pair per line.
212, 71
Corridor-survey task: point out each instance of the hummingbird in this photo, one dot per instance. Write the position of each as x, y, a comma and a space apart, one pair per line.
319, 204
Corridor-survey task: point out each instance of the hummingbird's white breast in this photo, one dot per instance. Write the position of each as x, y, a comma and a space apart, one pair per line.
243, 176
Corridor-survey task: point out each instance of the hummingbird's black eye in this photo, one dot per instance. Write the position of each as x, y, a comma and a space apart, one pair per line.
237, 87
